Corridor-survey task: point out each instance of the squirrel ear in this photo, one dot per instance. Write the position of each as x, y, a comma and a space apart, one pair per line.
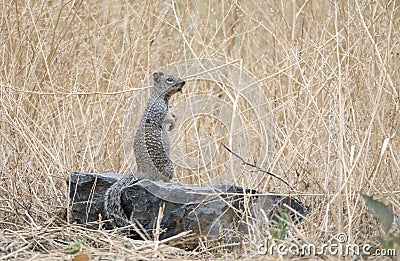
157, 76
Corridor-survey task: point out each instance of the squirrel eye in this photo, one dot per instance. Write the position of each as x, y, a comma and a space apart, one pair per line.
170, 80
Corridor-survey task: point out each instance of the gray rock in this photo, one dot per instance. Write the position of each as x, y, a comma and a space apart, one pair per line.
206, 211
86, 194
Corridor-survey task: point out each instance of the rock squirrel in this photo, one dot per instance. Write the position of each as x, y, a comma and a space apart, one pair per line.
151, 145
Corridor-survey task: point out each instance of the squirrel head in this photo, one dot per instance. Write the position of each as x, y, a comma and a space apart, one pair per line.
166, 85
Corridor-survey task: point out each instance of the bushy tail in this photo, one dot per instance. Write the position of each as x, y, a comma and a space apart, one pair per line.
113, 206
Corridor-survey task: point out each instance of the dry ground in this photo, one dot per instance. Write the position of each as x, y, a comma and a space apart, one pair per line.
330, 72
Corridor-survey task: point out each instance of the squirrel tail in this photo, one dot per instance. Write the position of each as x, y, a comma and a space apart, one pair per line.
113, 208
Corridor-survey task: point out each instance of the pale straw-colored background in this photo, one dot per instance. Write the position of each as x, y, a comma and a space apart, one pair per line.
327, 72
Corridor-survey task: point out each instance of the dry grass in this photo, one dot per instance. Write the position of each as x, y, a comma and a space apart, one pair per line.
330, 72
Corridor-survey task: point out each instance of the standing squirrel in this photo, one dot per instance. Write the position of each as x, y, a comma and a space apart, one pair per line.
151, 145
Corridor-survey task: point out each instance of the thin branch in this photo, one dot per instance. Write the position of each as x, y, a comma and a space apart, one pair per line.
258, 168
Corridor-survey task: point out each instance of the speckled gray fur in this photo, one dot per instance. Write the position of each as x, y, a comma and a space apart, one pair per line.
151, 145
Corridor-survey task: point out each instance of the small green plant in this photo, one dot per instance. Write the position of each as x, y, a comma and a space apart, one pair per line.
75, 247
384, 214
127, 244
280, 224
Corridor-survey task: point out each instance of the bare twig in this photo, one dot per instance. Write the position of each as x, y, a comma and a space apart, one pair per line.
244, 162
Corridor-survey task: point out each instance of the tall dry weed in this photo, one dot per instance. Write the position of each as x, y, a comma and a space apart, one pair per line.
329, 70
